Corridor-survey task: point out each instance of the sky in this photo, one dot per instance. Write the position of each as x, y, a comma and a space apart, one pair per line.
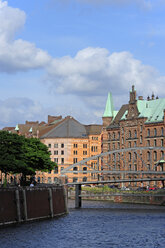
62, 57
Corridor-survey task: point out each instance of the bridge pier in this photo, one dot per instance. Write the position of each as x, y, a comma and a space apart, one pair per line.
78, 196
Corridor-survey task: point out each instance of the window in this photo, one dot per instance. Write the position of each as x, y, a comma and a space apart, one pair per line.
134, 143
122, 141
62, 145
135, 167
148, 142
113, 145
155, 142
75, 170
109, 136
56, 160
75, 145
141, 128
148, 132
62, 160
62, 168
148, 156
129, 144
49, 145
155, 156
62, 152
94, 148
140, 139
155, 132
84, 170
84, 152
75, 160
75, 152
56, 145
161, 142
56, 152
135, 156
162, 131
75, 179
113, 135
84, 145
130, 167
135, 134
129, 156
118, 145
49, 180
162, 154
118, 135
129, 134
84, 179
55, 170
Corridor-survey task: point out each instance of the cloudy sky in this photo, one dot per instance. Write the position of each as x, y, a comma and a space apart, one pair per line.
62, 57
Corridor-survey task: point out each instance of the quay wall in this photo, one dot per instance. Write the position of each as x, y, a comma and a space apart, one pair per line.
152, 199
22, 204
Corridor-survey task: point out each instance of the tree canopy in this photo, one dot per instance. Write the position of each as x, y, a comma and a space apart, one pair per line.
23, 155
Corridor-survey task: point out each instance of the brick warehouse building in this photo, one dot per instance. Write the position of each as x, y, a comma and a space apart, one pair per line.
140, 123
68, 141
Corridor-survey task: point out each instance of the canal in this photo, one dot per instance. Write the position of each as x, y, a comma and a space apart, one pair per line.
95, 225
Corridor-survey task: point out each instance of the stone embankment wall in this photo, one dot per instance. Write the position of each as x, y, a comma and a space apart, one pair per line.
153, 199
19, 205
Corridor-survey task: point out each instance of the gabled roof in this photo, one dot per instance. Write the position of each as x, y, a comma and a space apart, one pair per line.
68, 128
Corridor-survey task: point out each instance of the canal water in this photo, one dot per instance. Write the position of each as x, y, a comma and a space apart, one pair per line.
95, 225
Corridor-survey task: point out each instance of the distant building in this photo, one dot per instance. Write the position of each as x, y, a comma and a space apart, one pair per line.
140, 123
68, 141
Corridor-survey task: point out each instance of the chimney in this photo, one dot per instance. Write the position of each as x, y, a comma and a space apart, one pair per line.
140, 98
152, 97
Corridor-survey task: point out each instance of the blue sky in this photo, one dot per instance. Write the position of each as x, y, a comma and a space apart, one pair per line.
62, 57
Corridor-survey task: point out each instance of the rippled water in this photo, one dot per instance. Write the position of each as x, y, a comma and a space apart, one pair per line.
97, 224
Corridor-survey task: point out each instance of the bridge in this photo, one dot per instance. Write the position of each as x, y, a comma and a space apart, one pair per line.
130, 165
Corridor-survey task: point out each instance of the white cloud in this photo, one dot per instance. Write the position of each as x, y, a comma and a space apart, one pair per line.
17, 55
94, 71
18, 110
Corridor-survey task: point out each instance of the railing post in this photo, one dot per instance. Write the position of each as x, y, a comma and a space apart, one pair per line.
51, 202
25, 204
18, 205
77, 196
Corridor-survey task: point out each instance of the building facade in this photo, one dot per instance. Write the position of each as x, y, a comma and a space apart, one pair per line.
69, 142
140, 123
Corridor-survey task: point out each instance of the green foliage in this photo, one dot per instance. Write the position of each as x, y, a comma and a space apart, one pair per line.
21, 155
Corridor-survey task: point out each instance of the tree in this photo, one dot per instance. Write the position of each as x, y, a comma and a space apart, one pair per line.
10, 152
23, 155
36, 157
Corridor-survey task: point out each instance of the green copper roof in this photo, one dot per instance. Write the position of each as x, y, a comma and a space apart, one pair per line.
153, 109
109, 109
31, 130
16, 128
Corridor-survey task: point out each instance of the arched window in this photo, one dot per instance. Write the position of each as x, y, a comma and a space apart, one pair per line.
148, 156
155, 132
84, 179
155, 156
162, 131
162, 155
129, 156
135, 134
84, 170
75, 170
